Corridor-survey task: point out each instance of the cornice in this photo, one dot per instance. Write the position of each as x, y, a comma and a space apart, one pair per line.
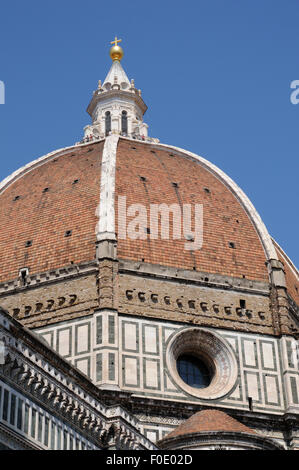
49, 277
106, 95
42, 374
201, 278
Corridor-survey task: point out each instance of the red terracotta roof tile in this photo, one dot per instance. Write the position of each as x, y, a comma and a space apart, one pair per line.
209, 421
224, 218
44, 216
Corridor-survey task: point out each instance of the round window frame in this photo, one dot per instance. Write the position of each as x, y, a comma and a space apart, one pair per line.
214, 351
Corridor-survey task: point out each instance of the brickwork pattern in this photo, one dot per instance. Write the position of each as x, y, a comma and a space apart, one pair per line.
54, 302
224, 219
179, 301
209, 421
30, 212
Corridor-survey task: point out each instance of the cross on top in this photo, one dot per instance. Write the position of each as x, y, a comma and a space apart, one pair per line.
116, 41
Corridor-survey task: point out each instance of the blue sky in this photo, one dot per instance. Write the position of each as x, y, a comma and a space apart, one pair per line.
215, 75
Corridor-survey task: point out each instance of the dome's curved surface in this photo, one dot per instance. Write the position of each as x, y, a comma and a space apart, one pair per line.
85, 264
42, 203
150, 175
210, 421
213, 429
144, 174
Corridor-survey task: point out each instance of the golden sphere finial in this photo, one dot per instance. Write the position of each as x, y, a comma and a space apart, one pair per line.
116, 52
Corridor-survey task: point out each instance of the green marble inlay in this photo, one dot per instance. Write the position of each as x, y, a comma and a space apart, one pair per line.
46, 437
136, 348
83, 360
147, 432
59, 437
294, 390
255, 374
65, 440
137, 385
40, 427
273, 355
12, 409
290, 354
53, 432
26, 419
20, 414
144, 350
99, 367
77, 335
5, 405
58, 345
49, 341
111, 329
244, 353
111, 360
267, 400
33, 422
99, 330
157, 361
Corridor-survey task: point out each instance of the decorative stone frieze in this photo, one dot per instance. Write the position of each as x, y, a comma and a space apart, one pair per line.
38, 372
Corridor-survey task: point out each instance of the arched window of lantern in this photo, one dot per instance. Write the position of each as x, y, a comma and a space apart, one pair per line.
107, 122
124, 122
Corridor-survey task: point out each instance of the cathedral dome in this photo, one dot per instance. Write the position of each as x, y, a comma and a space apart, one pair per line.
146, 268
50, 218
215, 430
54, 211
154, 204
49, 212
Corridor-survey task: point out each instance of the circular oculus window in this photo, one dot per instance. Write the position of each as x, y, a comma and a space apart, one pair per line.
202, 363
193, 371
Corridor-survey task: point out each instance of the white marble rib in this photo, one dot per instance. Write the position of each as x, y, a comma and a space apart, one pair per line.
105, 228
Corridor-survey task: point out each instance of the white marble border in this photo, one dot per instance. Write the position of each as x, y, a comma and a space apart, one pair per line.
105, 228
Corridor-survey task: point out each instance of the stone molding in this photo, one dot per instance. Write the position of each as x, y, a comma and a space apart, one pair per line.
66, 393
14, 441
49, 277
193, 277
